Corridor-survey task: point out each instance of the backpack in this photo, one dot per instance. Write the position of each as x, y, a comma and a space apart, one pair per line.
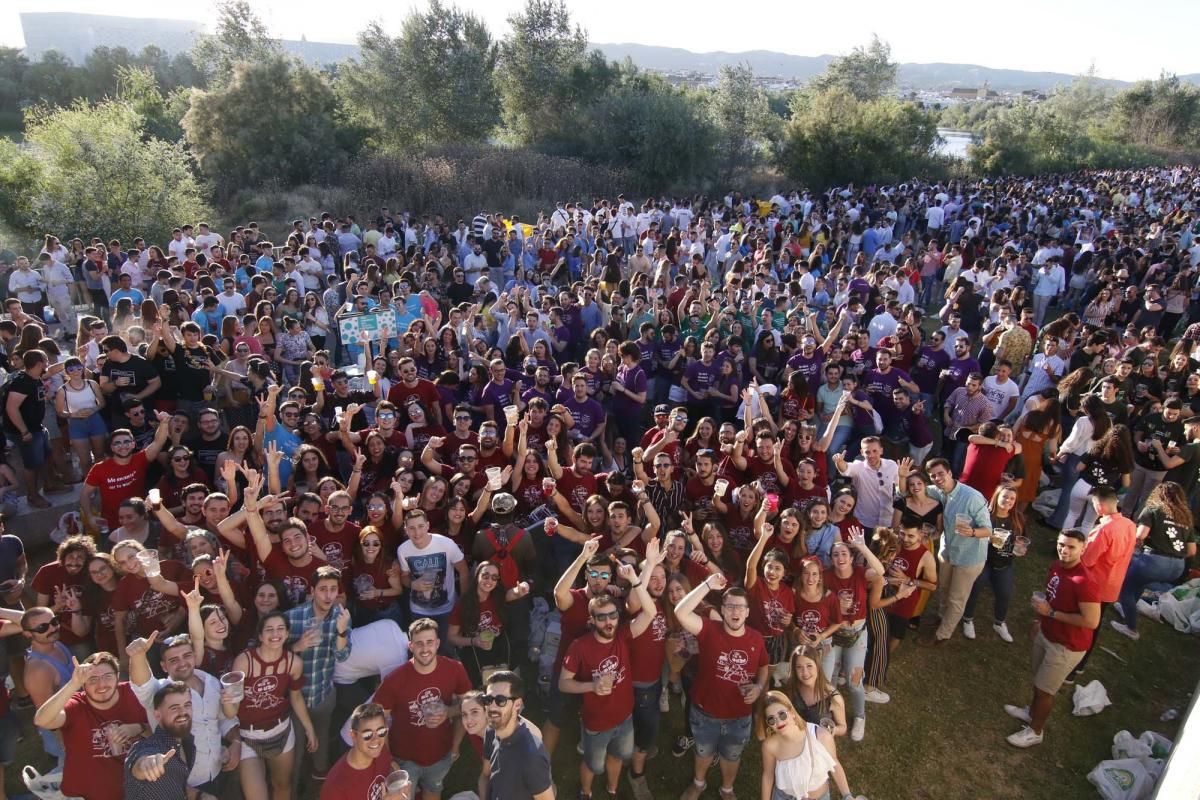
510, 573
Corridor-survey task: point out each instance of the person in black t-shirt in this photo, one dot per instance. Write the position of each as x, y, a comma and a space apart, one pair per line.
124, 376
193, 365
24, 410
520, 768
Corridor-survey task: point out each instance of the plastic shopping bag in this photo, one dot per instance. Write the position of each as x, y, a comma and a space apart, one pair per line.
1090, 699
1125, 746
1126, 778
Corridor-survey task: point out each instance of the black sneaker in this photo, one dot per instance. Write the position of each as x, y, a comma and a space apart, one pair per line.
682, 745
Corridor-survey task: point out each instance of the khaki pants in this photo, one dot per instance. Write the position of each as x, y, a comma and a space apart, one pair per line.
954, 587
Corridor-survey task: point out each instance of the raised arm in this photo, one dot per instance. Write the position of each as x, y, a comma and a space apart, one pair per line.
685, 611
562, 589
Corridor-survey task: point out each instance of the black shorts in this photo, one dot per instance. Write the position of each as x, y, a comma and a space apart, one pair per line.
897, 627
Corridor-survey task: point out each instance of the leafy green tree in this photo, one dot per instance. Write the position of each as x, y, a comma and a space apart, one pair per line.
90, 171
538, 61
868, 72
433, 84
52, 80
1162, 113
741, 116
240, 36
833, 138
275, 120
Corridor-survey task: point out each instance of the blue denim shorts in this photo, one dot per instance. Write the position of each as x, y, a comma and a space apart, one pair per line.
724, 737
616, 742
430, 778
78, 429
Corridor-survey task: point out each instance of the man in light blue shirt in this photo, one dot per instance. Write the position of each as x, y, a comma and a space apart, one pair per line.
125, 290
962, 552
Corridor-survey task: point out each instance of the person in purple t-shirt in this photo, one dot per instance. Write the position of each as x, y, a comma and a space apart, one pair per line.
810, 358
928, 363
962, 365
698, 380
587, 413
629, 393
878, 383
498, 393
541, 387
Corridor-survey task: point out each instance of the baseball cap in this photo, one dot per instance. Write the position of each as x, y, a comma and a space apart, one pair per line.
662, 408
503, 503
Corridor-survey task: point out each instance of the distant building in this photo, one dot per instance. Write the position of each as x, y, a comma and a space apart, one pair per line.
76, 35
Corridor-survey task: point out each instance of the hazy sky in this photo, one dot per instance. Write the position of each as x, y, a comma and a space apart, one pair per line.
1123, 40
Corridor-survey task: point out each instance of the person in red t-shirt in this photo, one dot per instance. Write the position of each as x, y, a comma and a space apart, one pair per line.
362, 773
420, 697
772, 603
599, 667
100, 718
123, 474
59, 585
732, 674
1108, 553
143, 605
1069, 609
409, 386
336, 537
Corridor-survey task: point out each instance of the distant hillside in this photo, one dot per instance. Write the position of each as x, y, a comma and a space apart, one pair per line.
802, 68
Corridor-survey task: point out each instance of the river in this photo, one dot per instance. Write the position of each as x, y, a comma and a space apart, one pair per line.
955, 143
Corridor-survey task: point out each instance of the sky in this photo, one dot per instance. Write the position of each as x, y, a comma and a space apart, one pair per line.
1067, 36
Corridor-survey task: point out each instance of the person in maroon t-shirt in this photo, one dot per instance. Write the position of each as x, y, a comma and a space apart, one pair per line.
362, 773
100, 718
296, 560
599, 667
59, 585
732, 674
1069, 611
766, 464
576, 483
336, 537
572, 605
699, 488
410, 386
123, 474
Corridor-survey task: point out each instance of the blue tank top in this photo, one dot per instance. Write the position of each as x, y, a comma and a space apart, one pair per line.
63, 667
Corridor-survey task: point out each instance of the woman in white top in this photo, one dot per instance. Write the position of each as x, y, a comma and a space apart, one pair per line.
80, 401
799, 759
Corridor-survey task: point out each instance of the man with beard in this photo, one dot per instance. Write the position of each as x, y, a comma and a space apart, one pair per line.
411, 385
59, 585
158, 766
422, 698
294, 562
766, 465
520, 767
210, 730
699, 488
732, 674
99, 718
603, 663
48, 666
363, 771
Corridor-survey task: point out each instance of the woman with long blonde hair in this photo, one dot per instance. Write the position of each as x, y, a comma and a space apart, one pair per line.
1164, 535
799, 759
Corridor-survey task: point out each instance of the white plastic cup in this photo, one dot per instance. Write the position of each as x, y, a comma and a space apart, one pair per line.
510, 414
493, 476
1020, 546
149, 562
722, 486
397, 782
233, 683
154, 497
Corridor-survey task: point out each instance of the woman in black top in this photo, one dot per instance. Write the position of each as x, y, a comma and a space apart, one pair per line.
1166, 539
998, 571
1108, 463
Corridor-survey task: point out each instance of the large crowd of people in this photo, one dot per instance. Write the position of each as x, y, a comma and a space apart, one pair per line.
391, 483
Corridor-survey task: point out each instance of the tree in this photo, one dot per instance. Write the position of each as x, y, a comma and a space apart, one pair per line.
433, 84
868, 72
161, 115
1161, 113
240, 36
93, 173
240, 143
833, 138
537, 62
742, 118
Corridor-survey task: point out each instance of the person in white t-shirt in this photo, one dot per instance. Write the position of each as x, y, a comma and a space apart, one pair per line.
429, 564
1001, 390
205, 239
935, 217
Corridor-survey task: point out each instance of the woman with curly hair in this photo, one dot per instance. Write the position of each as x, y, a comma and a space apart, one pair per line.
1108, 462
1165, 542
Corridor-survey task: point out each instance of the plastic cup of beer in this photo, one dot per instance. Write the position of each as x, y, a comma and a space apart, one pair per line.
397, 782
607, 681
962, 520
318, 383
149, 562
510, 414
487, 636
233, 684
1000, 537
722, 486
372, 377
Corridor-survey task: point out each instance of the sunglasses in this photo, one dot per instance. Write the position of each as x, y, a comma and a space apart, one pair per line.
499, 700
181, 459
592, 573
367, 736
607, 617
51, 623
777, 719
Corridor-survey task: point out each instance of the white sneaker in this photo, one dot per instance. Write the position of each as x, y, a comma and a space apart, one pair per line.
1122, 628
969, 628
1001, 630
859, 729
1026, 737
874, 695
1018, 712
664, 701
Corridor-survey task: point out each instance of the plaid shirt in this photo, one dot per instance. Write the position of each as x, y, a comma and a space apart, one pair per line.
966, 411
319, 660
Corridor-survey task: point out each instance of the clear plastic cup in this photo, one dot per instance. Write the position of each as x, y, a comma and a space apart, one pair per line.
493, 476
828, 724
233, 683
510, 414
1020, 546
1000, 537
607, 681
962, 520
432, 707
149, 562
154, 497
318, 383
372, 377
721, 487
551, 526
397, 782
1039, 597
548, 486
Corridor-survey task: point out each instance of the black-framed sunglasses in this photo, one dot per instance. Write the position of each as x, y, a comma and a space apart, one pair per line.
499, 700
367, 736
53, 622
